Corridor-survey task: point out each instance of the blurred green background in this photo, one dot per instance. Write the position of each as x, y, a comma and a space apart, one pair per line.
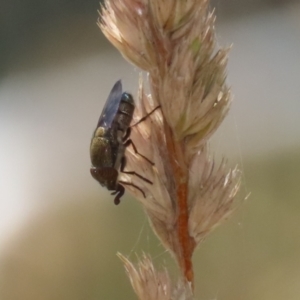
59, 230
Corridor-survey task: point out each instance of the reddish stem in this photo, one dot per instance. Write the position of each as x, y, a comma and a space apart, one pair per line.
180, 171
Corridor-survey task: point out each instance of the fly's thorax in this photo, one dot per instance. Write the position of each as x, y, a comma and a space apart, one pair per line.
100, 132
107, 177
104, 149
125, 112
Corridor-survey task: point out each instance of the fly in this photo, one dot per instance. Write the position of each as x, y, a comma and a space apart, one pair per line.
110, 139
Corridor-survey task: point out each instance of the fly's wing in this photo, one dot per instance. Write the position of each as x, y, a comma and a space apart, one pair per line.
111, 106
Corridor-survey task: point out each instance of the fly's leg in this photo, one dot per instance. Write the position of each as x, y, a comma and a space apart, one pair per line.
123, 164
131, 184
120, 192
128, 142
145, 117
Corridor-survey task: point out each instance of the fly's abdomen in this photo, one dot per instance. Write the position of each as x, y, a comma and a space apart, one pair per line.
125, 112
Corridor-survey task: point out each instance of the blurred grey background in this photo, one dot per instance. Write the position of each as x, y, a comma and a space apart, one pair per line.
59, 230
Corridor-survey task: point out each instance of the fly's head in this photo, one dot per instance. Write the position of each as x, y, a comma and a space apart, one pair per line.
107, 177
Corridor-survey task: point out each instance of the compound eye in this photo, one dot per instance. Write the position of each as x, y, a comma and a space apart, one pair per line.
97, 175
105, 176
94, 173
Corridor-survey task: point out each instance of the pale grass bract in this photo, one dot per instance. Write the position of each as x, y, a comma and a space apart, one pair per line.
173, 41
